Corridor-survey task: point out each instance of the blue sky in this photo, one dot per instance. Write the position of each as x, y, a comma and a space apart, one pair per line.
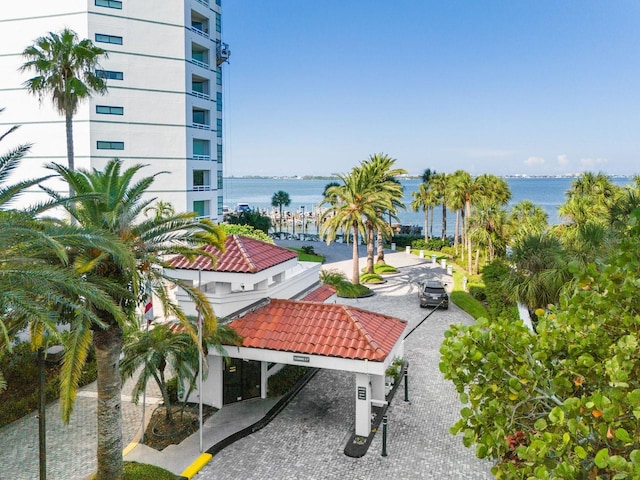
503, 87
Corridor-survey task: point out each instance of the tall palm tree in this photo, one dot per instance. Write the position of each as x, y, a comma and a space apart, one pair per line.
424, 199
382, 176
280, 199
65, 69
110, 201
455, 201
439, 183
356, 203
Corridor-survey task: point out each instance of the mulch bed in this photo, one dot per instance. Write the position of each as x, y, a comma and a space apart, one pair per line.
161, 433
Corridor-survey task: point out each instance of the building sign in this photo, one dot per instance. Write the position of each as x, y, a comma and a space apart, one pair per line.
300, 358
362, 393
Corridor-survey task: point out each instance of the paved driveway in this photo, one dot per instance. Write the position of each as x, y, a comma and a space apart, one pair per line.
307, 439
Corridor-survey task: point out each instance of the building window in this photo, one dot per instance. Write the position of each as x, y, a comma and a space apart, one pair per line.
110, 74
219, 101
201, 208
108, 110
219, 179
201, 182
200, 117
103, 38
219, 76
220, 205
218, 23
219, 127
201, 149
200, 86
218, 2
104, 145
109, 4
219, 153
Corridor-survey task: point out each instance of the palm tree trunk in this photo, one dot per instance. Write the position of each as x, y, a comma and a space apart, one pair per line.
355, 270
444, 221
380, 254
68, 122
426, 224
370, 250
468, 237
457, 231
108, 346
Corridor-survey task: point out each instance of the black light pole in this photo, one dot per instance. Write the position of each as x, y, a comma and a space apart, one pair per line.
303, 221
42, 433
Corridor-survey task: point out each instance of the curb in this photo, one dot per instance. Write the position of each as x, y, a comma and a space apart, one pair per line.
355, 449
196, 466
270, 415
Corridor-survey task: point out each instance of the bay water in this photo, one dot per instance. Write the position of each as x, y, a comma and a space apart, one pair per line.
306, 195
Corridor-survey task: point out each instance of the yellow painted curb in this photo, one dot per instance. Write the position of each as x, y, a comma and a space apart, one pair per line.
128, 448
196, 466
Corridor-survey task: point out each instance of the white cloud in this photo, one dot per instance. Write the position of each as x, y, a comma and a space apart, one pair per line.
534, 161
563, 160
592, 163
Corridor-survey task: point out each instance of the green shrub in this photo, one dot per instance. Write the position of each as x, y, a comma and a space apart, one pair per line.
308, 249
282, 381
371, 278
403, 240
172, 389
332, 277
349, 290
434, 244
477, 292
144, 471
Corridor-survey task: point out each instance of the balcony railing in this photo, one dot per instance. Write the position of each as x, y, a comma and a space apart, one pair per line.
205, 158
202, 33
201, 126
202, 217
199, 63
202, 188
203, 2
200, 95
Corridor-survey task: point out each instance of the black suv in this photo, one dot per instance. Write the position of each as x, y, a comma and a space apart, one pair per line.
433, 294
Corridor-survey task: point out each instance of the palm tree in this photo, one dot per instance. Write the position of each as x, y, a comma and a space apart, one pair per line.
109, 201
526, 218
150, 352
356, 203
540, 271
160, 210
280, 199
439, 184
65, 69
455, 201
382, 176
423, 199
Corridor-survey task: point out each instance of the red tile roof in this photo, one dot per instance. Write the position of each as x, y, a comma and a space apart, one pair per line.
320, 294
320, 329
241, 255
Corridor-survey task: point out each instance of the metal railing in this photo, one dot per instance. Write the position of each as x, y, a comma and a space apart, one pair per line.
201, 126
203, 158
202, 188
205, 96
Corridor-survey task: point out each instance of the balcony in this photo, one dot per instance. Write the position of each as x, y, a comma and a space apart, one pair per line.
202, 188
203, 2
202, 158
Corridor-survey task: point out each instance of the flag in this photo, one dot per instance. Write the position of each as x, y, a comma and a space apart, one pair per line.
148, 308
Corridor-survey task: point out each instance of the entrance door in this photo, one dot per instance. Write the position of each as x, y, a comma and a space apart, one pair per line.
241, 380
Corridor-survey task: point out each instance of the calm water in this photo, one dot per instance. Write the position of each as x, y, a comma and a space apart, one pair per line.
548, 193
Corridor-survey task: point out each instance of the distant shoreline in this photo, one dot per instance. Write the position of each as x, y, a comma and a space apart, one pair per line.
408, 177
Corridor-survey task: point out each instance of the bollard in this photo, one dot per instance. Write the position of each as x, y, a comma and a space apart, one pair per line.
384, 436
406, 384
421, 253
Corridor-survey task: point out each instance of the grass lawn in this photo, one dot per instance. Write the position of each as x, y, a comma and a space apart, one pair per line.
307, 257
144, 471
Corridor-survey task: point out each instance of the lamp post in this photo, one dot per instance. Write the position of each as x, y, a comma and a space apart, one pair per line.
303, 221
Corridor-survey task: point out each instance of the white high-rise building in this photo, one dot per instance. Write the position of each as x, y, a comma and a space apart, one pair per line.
164, 104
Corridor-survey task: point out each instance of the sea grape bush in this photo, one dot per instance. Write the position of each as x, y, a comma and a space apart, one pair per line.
565, 402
